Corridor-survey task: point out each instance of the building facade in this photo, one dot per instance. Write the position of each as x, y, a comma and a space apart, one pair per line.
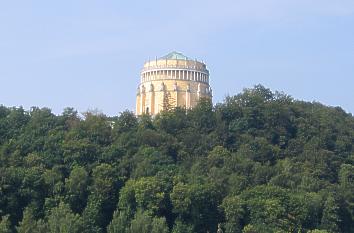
171, 81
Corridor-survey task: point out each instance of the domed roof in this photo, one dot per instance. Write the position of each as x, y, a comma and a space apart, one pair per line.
174, 56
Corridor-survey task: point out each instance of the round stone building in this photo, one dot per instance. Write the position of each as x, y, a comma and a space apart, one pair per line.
171, 81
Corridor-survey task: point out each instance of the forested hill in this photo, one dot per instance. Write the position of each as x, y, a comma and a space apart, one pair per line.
258, 162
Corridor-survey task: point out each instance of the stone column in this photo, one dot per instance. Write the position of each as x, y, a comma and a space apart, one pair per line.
175, 93
159, 98
137, 106
151, 104
199, 91
142, 99
188, 96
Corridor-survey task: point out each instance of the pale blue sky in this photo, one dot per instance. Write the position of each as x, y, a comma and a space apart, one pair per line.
88, 54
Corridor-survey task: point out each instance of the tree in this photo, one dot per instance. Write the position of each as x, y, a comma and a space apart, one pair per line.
146, 193
172, 121
202, 116
125, 122
141, 223
234, 213
28, 223
249, 229
318, 231
5, 224
346, 188
41, 227
76, 186
330, 219
53, 179
93, 216
218, 156
62, 220
181, 227
168, 101
197, 204
273, 208
120, 223
104, 194
159, 225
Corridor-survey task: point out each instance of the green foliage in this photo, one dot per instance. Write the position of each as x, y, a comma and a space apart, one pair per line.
318, 231
330, 219
218, 156
141, 223
125, 122
181, 227
346, 201
28, 223
41, 227
258, 162
62, 220
159, 225
5, 225
93, 215
120, 223
76, 186
146, 193
234, 214
197, 204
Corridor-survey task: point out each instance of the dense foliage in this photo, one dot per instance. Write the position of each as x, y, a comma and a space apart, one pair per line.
258, 162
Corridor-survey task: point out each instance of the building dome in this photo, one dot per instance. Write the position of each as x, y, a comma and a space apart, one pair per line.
173, 80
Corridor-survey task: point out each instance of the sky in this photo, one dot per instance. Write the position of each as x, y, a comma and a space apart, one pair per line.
88, 54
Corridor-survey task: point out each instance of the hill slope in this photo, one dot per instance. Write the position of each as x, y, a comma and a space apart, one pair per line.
258, 162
